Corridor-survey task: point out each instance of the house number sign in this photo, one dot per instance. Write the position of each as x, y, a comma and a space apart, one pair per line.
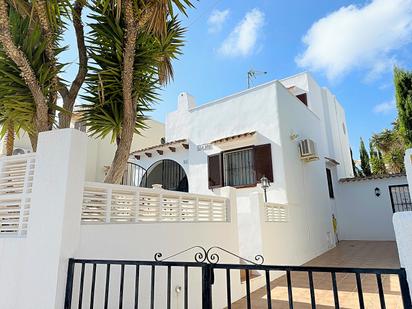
204, 147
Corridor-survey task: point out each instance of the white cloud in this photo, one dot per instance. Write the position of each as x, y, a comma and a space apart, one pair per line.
217, 19
385, 107
242, 40
356, 37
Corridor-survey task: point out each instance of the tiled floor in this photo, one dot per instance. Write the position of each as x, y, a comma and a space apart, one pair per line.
347, 254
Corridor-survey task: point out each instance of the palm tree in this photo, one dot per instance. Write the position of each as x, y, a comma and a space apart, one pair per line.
132, 45
17, 107
390, 143
46, 18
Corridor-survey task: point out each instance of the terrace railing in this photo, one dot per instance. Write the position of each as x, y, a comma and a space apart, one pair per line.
106, 203
276, 212
16, 180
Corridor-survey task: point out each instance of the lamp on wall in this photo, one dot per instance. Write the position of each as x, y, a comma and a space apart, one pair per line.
377, 192
265, 183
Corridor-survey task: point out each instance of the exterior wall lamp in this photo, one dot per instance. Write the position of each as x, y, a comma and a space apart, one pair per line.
265, 183
377, 192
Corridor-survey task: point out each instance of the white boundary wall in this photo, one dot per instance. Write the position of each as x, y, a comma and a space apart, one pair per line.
33, 268
361, 215
403, 229
142, 240
402, 222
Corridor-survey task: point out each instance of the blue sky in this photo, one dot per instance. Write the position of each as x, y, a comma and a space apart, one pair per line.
349, 46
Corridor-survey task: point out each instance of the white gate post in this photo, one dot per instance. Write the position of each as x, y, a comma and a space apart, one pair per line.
54, 225
402, 222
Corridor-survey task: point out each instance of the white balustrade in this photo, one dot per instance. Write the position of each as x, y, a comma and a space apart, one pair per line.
103, 203
276, 212
106, 203
16, 179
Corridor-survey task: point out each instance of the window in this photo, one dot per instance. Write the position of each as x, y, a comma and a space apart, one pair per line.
330, 184
303, 98
240, 167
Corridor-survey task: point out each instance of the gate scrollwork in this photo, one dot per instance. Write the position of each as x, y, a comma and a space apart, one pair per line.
210, 256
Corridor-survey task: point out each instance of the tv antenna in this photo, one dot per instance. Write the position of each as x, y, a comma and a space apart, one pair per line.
251, 75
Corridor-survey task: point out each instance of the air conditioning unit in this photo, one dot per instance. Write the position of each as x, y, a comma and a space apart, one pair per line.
307, 150
19, 151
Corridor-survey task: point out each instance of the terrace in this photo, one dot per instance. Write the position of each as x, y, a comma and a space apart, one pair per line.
352, 254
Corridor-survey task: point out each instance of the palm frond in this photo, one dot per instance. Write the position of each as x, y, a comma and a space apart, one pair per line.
103, 110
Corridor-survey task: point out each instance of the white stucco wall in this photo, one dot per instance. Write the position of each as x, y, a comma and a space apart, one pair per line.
402, 222
100, 152
363, 216
231, 116
33, 269
331, 114
251, 110
338, 136
275, 114
408, 165
142, 241
177, 122
306, 182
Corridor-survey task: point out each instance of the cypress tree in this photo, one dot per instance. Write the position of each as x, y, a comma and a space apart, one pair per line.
403, 94
354, 168
364, 156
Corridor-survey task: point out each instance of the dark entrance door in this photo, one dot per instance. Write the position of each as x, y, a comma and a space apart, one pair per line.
400, 198
169, 174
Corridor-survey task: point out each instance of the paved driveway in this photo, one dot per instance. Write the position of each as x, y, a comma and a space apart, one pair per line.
379, 254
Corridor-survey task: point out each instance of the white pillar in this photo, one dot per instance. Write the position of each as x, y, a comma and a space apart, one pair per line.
230, 193
402, 222
249, 225
54, 225
408, 165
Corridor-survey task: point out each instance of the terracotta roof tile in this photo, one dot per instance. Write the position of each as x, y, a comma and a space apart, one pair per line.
373, 177
180, 141
233, 137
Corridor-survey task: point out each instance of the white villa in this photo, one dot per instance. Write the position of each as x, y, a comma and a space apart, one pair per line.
260, 172
237, 140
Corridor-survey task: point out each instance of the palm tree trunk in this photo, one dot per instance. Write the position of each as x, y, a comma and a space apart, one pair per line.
33, 140
10, 139
41, 10
119, 163
27, 73
69, 96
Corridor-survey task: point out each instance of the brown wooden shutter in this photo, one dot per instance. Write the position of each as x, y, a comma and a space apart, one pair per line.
263, 162
215, 173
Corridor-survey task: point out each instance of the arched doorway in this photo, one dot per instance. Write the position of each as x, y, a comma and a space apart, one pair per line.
169, 174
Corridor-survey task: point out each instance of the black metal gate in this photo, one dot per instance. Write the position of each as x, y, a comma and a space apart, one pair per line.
136, 284
400, 198
134, 175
